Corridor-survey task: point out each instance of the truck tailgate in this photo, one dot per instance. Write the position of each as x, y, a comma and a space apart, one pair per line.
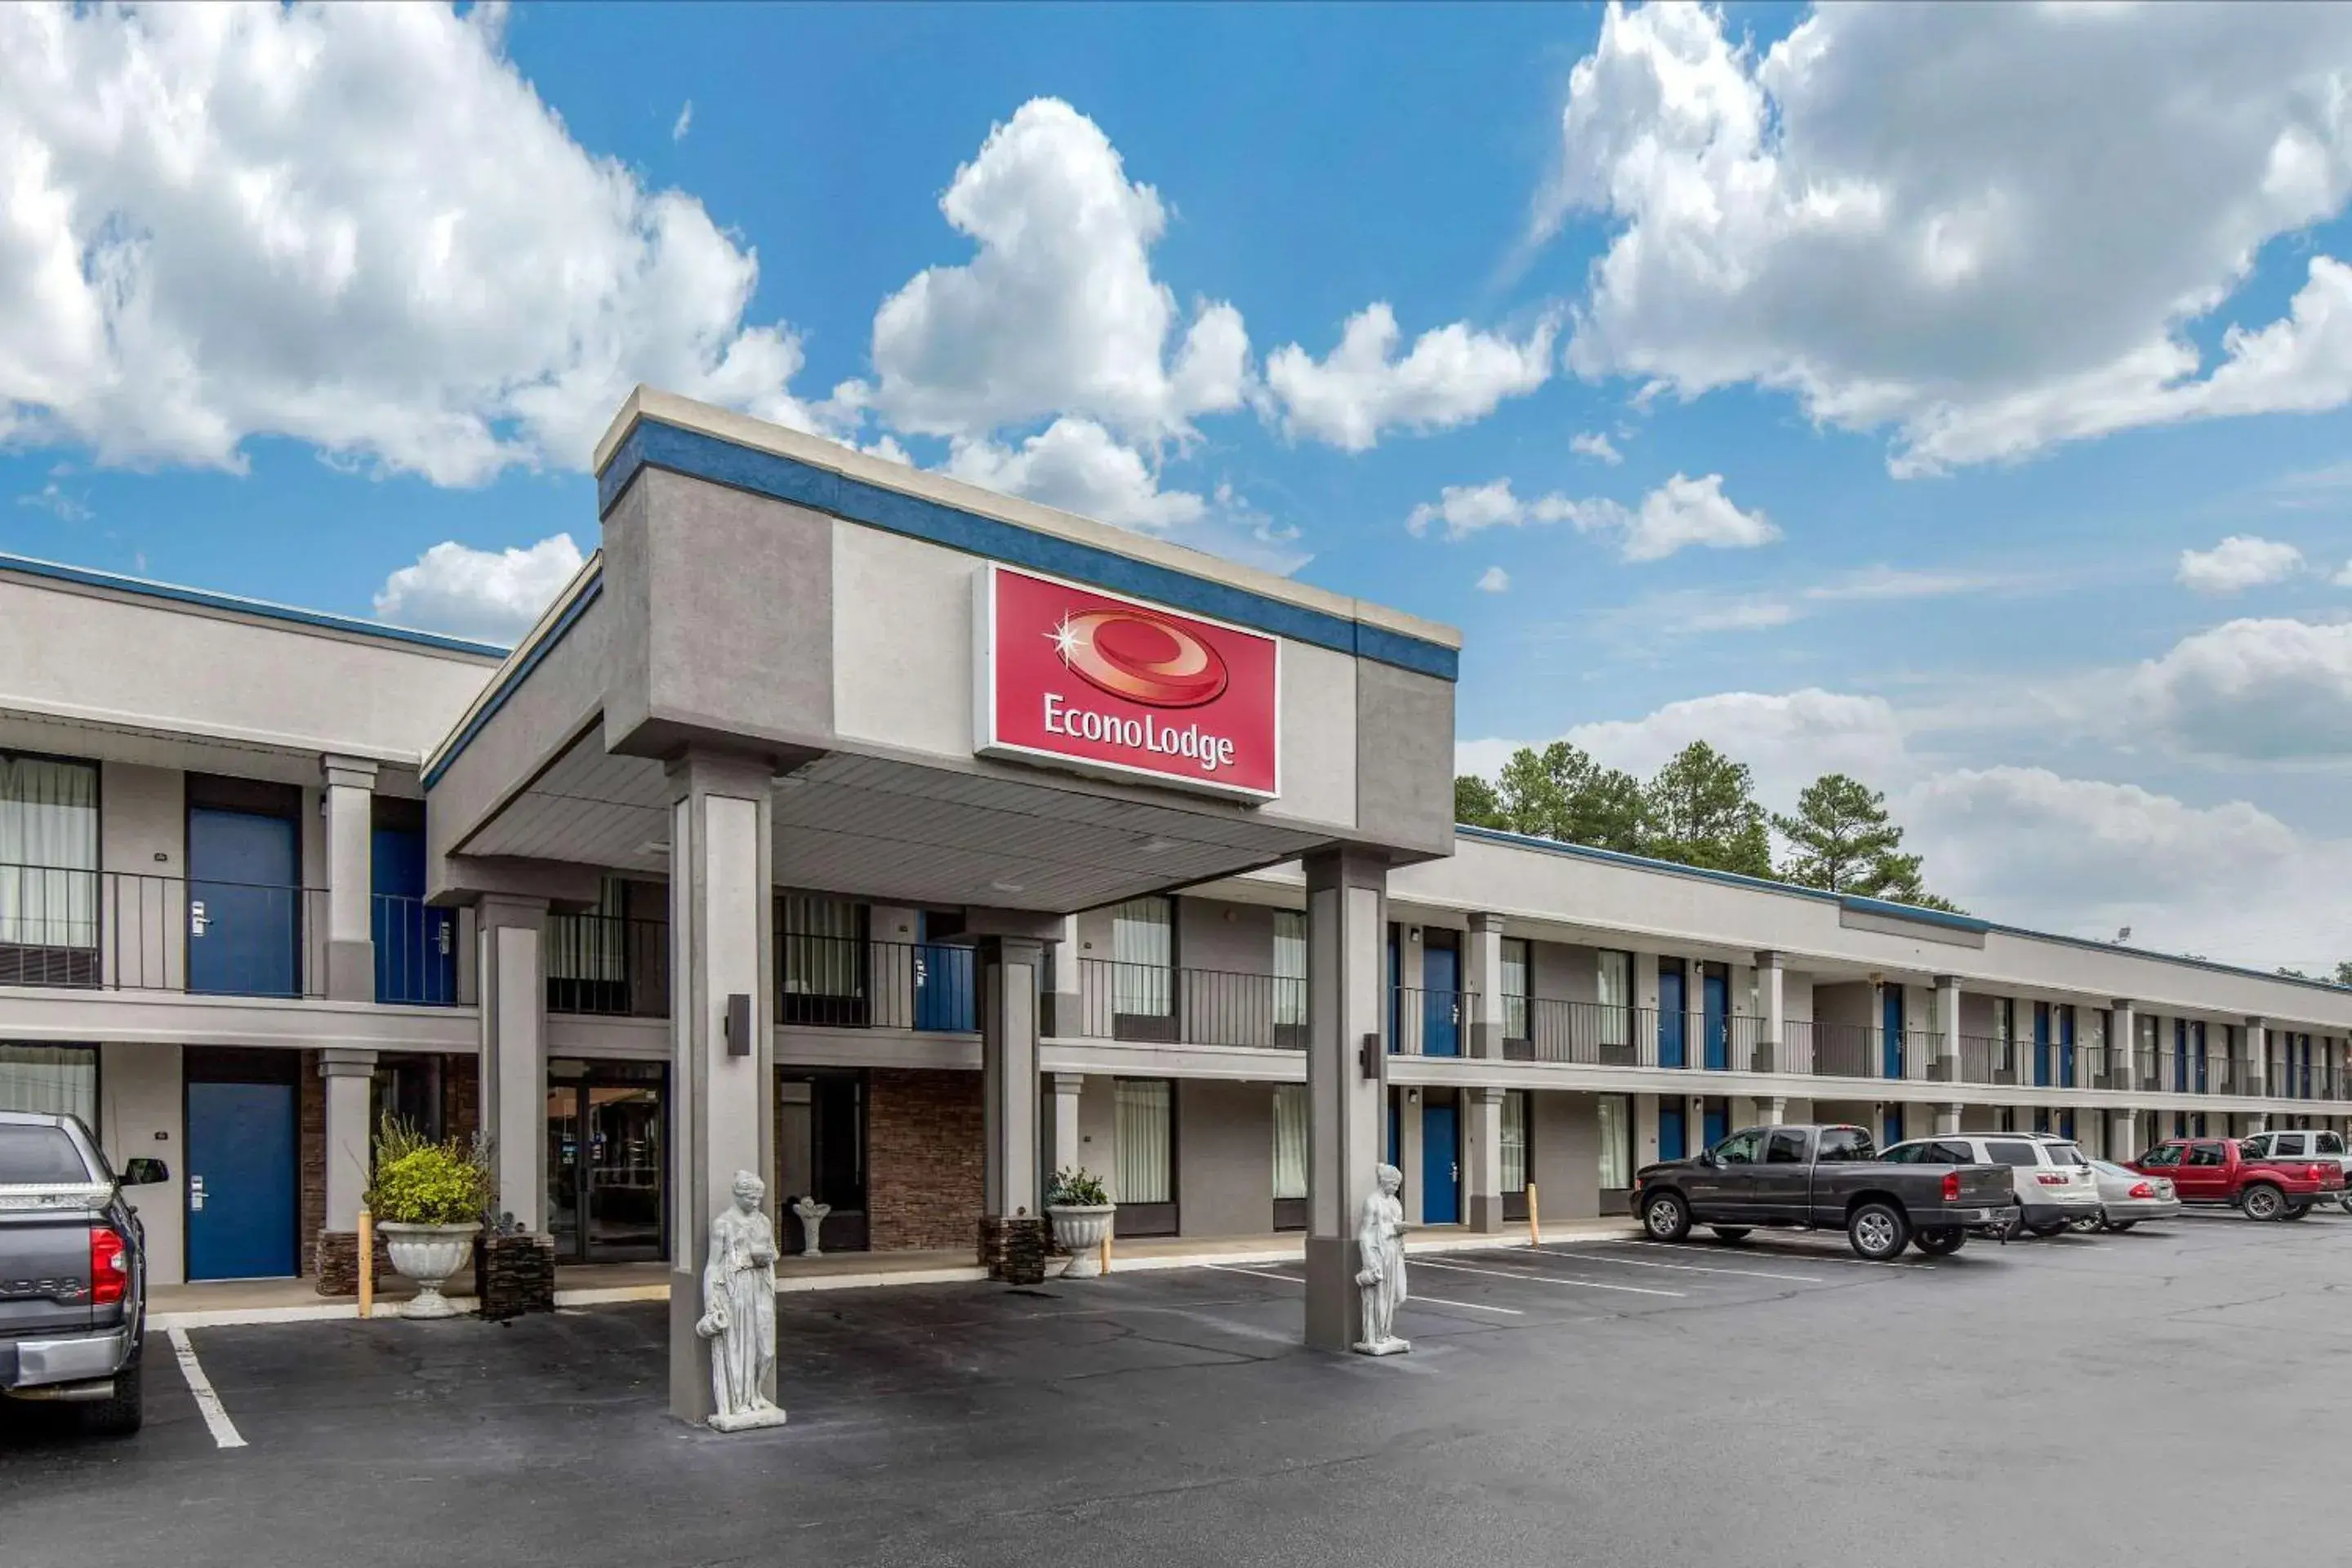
45, 1273
1982, 1185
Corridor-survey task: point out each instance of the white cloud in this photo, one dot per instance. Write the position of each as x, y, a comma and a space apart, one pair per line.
1058, 313
1596, 444
1947, 221
1077, 465
2237, 562
1494, 580
494, 595
354, 226
1682, 511
1451, 376
2250, 690
683, 123
2343, 579
51, 497
1465, 510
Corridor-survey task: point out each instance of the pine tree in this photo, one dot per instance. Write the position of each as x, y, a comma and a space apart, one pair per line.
1843, 841
1702, 811
1475, 803
1559, 793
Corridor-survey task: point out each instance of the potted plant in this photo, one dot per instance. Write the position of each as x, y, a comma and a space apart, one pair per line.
428, 1199
1081, 1210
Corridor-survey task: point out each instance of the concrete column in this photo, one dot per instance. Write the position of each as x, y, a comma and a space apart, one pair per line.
349, 1075
1775, 1110
1012, 1224
1409, 1156
1067, 1088
1486, 984
1771, 1054
1346, 1054
2122, 1127
350, 795
723, 1027
1948, 1032
1065, 1007
512, 970
1947, 1118
1482, 1124
2255, 1059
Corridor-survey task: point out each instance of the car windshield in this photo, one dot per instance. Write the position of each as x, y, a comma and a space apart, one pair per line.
2064, 1154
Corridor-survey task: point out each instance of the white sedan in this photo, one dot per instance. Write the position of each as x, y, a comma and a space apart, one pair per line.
2127, 1197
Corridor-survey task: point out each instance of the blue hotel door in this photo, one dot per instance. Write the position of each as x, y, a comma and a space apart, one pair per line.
1890, 1030
1715, 1123
1715, 1000
240, 1181
1441, 1165
245, 924
1671, 1143
415, 946
1441, 1002
944, 998
1671, 1014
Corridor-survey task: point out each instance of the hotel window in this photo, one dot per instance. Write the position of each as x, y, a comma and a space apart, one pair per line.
52, 1080
1615, 989
1515, 1143
822, 956
1514, 988
1290, 981
1144, 1110
1616, 1142
1289, 1142
588, 956
1143, 951
48, 872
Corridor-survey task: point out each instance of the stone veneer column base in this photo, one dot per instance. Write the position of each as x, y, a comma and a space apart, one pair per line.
337, 1262
514, 1275
1014, 1250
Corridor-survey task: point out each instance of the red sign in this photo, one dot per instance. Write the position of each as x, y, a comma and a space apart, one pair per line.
1109, 685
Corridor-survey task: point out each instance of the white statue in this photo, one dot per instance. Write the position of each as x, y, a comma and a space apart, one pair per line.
1380, 1244
811, 1216
738, 1311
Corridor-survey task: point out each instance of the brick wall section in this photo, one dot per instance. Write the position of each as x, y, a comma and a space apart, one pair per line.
310, 1097
923, 1158
461, 1098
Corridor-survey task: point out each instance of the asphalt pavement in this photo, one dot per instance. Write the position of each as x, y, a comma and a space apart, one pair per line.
1777, 1402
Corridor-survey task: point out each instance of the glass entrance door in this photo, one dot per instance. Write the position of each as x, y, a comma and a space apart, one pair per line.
607, 1160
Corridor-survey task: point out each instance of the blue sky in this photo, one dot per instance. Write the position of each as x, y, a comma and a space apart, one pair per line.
1971, 334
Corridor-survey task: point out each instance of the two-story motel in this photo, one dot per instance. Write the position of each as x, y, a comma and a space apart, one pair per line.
904, 842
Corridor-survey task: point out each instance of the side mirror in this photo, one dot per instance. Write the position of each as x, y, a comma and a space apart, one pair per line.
145, 1173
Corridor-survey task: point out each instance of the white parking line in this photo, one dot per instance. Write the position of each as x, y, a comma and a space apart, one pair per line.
1821, 1257
1411, 1302
1546, 1278
1258, 1273
223, 1430
1583, 1256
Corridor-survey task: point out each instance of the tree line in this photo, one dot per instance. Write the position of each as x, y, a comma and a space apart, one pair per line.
1700, 809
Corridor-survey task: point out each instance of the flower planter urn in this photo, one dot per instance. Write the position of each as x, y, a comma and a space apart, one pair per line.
811, 1214
427, 1255
1080, 1230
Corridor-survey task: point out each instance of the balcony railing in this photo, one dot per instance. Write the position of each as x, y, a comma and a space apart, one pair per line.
608, 966
1163, 1005
1846, 1050
124, 931
1582, 1034
847, 982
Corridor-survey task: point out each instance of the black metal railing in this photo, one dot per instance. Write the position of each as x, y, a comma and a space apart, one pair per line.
415, 951
848, 983
1583, 1033
1845, 1050
126, 931
609, 965
2148, 1069
1167, 1005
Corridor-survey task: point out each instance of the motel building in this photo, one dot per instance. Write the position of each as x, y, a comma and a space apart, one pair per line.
903, 843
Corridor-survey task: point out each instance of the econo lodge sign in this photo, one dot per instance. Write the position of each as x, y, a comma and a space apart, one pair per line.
1109, 685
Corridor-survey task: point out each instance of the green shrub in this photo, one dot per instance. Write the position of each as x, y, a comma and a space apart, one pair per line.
1077, 1187
419, 1181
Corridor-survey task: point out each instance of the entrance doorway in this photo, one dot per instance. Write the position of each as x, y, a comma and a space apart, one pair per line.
821, 1153
1441, 1163
607, 1160
241, 1202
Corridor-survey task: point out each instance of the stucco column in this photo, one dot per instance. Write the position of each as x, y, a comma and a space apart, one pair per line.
1947, 1066
1067, 1087
349, 1075
1486, 984
2255, 1058
1775, 1110
1771, 1053
1409, 1157
350, 863
722, 1026
1011, 1225
511, 965
1482, 1168
2121, 1127
1947, 1118
1347, 1055
1065, 1007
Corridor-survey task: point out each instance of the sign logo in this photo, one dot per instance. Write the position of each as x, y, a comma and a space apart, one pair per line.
1102, 684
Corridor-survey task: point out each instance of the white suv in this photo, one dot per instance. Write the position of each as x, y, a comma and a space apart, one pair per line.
2305, 1145
2055, 1185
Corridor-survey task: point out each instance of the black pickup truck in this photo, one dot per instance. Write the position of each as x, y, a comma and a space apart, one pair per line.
73, 1271
1820, 1178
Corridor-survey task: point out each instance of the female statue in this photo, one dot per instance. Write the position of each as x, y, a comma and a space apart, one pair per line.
1380, 1244
738, 1311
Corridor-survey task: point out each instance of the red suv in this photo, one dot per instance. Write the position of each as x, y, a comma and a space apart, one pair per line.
2219, 1171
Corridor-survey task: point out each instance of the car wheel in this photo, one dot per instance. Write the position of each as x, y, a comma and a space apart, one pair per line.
2089, 1225
120, 1414
2048, 1229
1942, 1242
2261, 1201
2117, 1227
1877, 1232
1665, 1218
1731, 1232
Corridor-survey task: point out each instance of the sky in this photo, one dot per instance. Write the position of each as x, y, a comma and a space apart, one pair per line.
1957, 396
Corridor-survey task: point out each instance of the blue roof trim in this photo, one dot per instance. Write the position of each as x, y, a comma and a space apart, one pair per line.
262, 608
705, 457
1876, 906
516, 676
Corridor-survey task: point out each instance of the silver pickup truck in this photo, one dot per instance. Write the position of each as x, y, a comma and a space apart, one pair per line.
73, 1271
2305, 1145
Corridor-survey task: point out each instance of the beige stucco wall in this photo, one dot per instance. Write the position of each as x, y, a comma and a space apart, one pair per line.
1225, 1157
139, 1097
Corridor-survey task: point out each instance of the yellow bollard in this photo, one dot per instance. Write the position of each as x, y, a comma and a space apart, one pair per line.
367, 1263
1535, 1227
1106, 1252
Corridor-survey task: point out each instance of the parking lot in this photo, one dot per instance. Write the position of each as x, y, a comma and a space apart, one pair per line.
2161, 1395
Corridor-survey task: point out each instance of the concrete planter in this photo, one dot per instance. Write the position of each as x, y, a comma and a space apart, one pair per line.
1080, 1230
428, 1254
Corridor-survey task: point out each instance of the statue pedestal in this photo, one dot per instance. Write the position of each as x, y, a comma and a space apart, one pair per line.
748, 1420
1383, 1347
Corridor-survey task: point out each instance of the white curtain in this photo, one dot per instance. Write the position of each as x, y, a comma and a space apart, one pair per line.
1143, 947
48, 853
50, 1080
1515, 1141
1289, 971
1616, 1142
592, 946
1615, 988
1289, 1141
1145, 1162
1514, 988
821, 947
